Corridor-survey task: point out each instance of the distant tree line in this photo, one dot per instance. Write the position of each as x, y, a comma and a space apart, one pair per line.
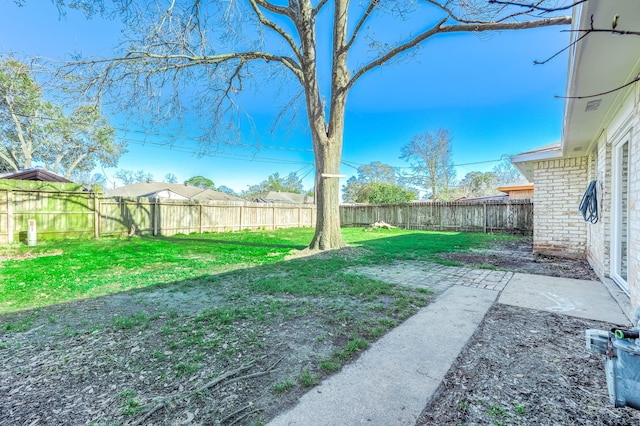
431, 172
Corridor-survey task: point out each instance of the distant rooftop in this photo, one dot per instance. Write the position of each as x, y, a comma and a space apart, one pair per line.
283, 197
162, 190
35, 173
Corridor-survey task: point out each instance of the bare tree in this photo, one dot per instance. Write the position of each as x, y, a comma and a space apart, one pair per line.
431, 159
507, 173
224, 45
128, 177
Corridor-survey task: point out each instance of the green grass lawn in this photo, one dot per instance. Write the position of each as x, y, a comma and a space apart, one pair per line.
138, 318
66, 270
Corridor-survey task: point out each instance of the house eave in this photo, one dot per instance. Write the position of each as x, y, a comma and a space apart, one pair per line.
524, 162
599, 62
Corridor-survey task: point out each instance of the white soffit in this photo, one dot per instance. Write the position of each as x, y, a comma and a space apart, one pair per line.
602, 61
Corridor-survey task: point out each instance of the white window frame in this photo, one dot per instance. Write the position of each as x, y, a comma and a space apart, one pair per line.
616, 211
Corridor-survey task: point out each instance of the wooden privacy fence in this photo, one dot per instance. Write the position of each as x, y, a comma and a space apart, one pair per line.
169, 217
66, 211
78, 214
510, 216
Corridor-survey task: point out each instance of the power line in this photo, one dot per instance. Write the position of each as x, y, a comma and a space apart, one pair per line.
196, 151
241, 157
351, 164
166, 135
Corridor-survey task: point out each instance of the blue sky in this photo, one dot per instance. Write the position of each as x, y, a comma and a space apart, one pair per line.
486, 90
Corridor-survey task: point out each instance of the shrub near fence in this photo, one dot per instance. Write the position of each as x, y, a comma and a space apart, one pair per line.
510, 216
66, 211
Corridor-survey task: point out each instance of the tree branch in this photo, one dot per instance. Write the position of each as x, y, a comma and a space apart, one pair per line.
280, 10
449, 12
185, 61
536, 6
361, 22
318, 8
272, 25
9, 161
440, 28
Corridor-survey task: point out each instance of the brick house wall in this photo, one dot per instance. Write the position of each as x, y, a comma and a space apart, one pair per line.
558, 225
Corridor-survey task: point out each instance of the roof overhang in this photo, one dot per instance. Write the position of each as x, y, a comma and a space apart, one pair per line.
35, 173
511, 188
600, 62
524, 162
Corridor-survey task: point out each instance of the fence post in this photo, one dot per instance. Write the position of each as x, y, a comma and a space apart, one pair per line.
154, 217
96, 216
10, 216
241, 211
200, 220
485, 217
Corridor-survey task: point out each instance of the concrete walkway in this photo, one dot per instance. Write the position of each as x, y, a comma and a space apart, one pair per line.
577, 298
391, 382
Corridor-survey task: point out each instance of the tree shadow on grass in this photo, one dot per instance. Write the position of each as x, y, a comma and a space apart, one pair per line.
208, 241
136, 347
407, 245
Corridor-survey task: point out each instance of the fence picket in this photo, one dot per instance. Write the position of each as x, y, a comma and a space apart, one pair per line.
79, 214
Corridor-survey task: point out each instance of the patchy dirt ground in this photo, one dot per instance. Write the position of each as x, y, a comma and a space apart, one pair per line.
518, 256
525, 367
152, 358
202, 351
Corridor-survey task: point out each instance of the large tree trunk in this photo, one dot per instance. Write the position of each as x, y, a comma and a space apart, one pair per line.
328, 235
326, 136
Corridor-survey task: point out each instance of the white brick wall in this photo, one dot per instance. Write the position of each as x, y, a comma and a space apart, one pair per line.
558, 225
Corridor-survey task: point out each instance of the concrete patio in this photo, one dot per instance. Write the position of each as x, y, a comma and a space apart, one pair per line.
402, 370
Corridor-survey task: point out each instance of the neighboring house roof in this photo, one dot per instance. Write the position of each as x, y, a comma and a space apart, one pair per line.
518, 191
173, 191
498, 197
35, 173
510, 188
283, 197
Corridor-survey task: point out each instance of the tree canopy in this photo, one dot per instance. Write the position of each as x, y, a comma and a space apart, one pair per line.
290, 183
478, 184
224, 45
200, 182
376, 183
36, 131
